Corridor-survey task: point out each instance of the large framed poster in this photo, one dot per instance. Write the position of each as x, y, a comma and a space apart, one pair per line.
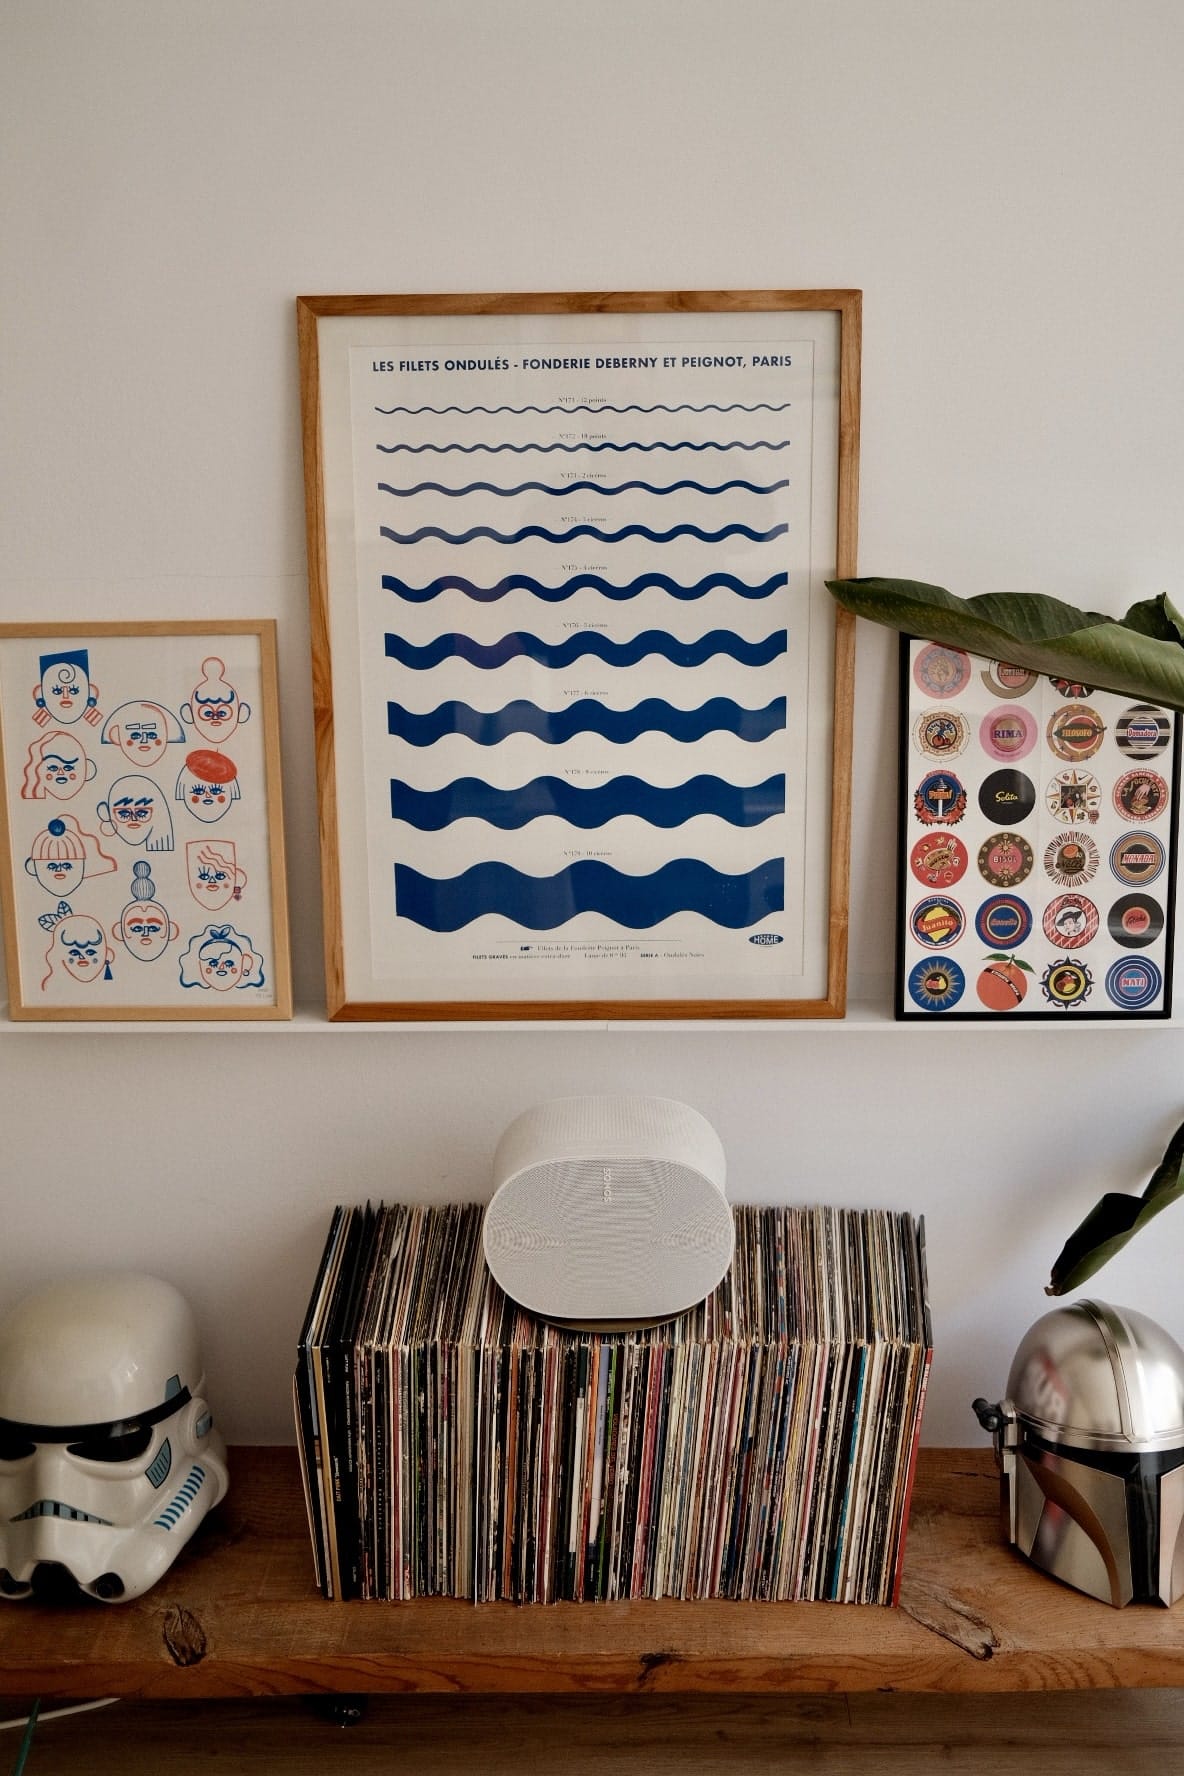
582, 701
141, 831
1037, 856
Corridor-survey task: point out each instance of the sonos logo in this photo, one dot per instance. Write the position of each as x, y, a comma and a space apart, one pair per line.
606, 1194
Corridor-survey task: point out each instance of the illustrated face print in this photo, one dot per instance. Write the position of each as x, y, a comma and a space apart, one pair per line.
64, 692
63, 772
222, 966
145, 930
215, 710
214, 877
59, 876
132, 817
82, 948
208, 784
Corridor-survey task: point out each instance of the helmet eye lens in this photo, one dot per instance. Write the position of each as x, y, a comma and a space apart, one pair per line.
14, 1448
123, 1447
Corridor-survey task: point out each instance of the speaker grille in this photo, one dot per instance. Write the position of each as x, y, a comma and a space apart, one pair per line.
602, 1238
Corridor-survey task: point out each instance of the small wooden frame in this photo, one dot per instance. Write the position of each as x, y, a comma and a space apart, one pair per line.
141, 836
582, 701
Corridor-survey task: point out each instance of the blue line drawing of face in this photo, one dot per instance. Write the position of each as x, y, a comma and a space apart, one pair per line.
142, 730
136, 810
221, 959
64, 692
144, 928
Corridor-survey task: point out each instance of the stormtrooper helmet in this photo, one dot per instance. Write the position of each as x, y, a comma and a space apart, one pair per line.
108, 1456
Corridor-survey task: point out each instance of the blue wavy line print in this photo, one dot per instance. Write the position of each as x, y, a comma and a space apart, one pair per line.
580, 583
540, 903
434, 532
578, 449
556, 726
576, 487
430, 810
555, 655
711, 407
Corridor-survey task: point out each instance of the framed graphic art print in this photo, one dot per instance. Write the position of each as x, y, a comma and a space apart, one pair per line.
141, 842
582, 701
1037, 858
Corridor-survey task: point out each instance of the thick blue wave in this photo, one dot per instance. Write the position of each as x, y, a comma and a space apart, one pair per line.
434, 532
711, 407
540, 903
555, 726
576, 487
430, 810
580, 583
555, 655
579, 449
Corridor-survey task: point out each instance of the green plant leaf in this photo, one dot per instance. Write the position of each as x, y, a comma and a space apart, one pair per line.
1115, 1220
1140, 655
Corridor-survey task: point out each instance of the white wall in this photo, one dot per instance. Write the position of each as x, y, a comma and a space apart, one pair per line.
1002, 181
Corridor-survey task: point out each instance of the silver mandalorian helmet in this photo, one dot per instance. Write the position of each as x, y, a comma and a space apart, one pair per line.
108, 1456
1090, 1443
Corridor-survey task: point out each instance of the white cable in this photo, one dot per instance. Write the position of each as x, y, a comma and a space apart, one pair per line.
57, 1713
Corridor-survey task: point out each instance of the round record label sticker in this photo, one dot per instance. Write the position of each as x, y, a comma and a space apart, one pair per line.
1137, 858
1007, 796
939, 799
937, 922
1007, 734
1075, 733
941, 671
1070, 921
939, 859
1142, 731
1005, 860
1066, 983
936, 986
1006, 680
1074, 796
1134, 983
1071, 860
1003, 922
941, 733
1135, 920
1140, 795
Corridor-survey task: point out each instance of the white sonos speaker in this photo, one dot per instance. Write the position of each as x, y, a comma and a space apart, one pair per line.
609, 1209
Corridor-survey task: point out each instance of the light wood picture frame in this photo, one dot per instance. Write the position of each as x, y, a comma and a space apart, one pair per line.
582, 701
141, 829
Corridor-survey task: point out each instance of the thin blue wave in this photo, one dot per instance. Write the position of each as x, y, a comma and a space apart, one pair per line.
554, 655
556, 726
711, 407
580, 583
470, 798
576, 487
434, 532
540, 903
578, 449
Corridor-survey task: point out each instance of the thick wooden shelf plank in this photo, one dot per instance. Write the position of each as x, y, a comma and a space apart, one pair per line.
239, 1615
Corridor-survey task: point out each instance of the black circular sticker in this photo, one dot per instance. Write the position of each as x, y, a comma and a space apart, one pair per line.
1142, 731
1007, 796
1135, 921
1005, 859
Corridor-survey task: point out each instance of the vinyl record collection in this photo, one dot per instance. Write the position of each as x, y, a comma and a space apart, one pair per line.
759, 1446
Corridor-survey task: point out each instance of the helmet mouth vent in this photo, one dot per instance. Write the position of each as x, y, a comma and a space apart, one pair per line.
54, 1583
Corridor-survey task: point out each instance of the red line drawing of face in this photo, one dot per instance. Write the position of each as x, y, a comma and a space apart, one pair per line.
80, 948
215, 710
145, 930
142, 730
56, 766
214, 876
208, 784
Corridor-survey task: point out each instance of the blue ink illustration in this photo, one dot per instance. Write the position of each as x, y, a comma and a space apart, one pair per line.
434, 533
136, 810
142, 730
64, 693
581, 583
215, 710
78, 946
653, 715
220, 959
208, 784
570, 487
56, 766
556, 655
540, 903
213, 874
469, 798
144, 927
62, 855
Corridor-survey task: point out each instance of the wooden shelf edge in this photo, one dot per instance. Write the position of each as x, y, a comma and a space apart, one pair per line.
238, 1616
